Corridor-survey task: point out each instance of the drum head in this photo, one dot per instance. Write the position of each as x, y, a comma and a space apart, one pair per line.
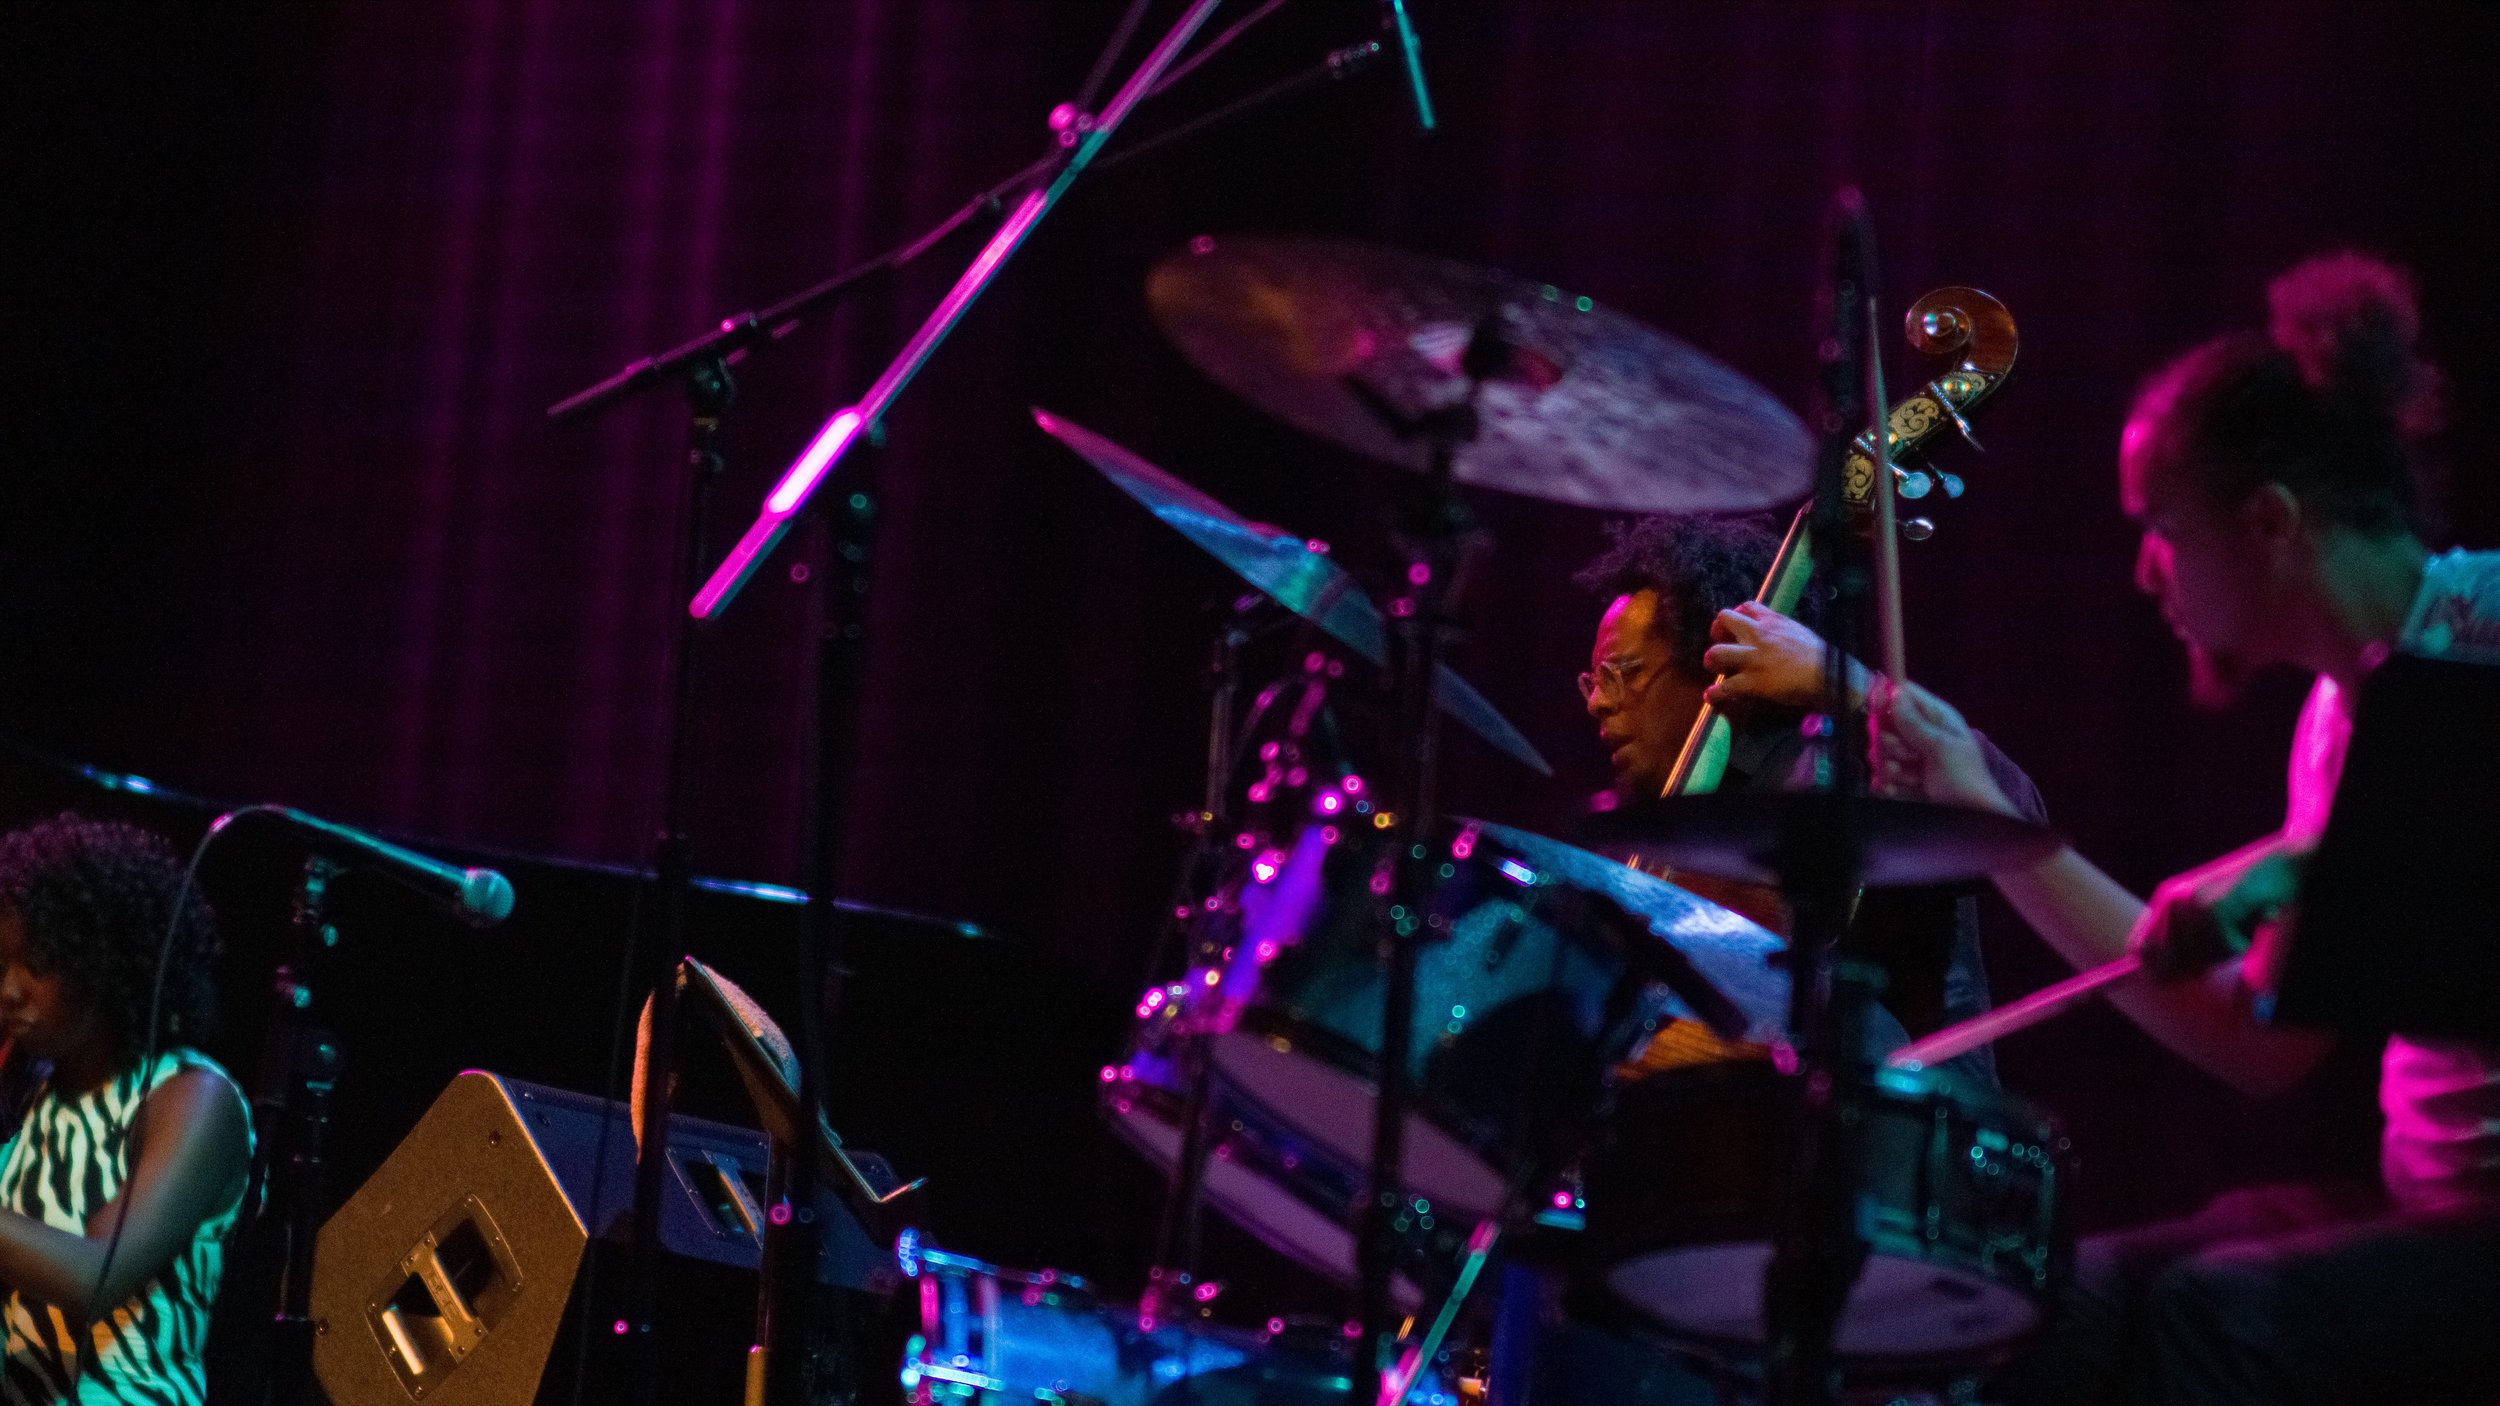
1335, 1110
1901, 1308
1282, 1220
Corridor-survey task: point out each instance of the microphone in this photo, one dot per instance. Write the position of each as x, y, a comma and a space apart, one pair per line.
480, 898
1393, 20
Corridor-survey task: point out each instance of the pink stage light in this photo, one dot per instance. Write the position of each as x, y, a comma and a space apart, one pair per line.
766, 530
819, 455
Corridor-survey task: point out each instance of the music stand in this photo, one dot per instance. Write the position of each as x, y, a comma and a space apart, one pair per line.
2398, 925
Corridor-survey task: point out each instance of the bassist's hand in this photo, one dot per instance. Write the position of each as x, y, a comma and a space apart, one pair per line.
1763, 656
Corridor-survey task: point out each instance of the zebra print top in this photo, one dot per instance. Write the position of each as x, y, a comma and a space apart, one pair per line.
68, 1158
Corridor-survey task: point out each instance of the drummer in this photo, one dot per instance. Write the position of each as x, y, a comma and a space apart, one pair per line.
1681, 627
2270, 473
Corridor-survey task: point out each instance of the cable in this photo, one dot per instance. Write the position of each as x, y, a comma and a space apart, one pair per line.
1215, 46
1111, 51
595, 1215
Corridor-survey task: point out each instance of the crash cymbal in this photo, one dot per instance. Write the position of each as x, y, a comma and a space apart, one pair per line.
1289, 570
1738, 836
1579, 404
1737, 958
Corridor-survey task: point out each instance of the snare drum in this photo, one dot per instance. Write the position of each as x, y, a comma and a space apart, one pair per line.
1960, 1202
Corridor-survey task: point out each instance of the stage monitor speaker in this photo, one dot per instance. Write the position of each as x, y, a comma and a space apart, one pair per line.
444, 1279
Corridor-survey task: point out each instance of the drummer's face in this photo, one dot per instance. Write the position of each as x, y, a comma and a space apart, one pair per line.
2197, 560
1641, 721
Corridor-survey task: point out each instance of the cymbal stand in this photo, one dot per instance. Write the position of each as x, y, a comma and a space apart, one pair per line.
1176, 1237
1177, 1234
1818, 1250
1440, 540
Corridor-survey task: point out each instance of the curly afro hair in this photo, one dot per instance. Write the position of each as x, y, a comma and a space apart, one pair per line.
96, 898
1699, 566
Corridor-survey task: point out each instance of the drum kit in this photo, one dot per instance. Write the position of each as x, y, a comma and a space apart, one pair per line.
1399, 1046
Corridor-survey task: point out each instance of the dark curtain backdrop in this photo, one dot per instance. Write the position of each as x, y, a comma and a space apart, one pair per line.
285, 520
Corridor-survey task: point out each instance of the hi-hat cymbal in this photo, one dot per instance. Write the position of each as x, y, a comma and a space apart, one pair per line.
1741, 836
1287, 569
1579, 404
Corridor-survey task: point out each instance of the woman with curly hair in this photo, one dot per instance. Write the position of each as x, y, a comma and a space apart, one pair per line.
117, 1192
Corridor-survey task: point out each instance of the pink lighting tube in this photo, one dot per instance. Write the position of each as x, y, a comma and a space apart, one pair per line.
800, 481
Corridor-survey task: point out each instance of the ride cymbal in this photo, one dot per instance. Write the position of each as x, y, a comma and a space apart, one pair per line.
1579, 404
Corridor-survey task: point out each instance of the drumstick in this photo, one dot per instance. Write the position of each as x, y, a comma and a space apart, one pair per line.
1994, 1025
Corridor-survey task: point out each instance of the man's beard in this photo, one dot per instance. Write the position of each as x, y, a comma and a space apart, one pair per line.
2215, 680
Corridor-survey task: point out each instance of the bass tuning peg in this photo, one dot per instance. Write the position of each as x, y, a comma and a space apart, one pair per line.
1935, 392
1918, 529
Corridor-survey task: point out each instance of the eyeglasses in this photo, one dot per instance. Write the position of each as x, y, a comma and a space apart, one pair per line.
1611, 677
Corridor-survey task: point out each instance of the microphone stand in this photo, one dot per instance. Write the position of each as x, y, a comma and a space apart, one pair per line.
786, 1304
841, 651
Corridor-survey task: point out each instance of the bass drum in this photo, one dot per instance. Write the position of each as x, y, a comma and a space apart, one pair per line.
1294, 1196
1961, 1202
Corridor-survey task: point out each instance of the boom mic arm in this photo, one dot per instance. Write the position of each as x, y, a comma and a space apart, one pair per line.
480, 898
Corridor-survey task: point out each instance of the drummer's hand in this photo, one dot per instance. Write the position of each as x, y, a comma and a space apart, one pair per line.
1923, 750
1763, 656
2219, 911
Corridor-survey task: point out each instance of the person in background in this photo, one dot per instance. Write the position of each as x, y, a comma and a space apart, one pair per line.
2272, 474
1681, 628
118, 1189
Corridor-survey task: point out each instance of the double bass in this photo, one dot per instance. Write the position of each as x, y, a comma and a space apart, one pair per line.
1974, 334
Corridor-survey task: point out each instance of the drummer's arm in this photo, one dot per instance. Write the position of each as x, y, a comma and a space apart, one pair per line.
2087, 917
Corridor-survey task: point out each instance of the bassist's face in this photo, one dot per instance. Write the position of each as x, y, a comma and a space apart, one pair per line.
1643, 703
